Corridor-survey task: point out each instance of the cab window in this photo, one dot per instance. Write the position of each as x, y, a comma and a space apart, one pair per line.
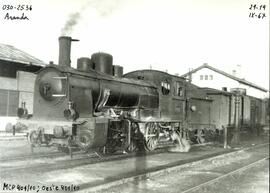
165, 87
179, 89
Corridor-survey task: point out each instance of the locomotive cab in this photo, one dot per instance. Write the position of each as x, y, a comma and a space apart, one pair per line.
171, 92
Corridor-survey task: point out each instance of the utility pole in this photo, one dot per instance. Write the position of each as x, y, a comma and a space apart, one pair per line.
189, 75
236, 133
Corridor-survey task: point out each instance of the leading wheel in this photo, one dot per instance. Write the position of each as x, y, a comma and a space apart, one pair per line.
34, 138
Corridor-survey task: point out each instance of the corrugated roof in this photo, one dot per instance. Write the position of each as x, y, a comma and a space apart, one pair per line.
10, 53
242, 81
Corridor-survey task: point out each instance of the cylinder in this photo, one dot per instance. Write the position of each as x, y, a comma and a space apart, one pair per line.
64, 51
84, 64
117, 71
103, 62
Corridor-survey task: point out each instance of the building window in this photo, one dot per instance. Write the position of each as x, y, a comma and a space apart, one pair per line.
165, 87
9, 102
206, 77
179, 89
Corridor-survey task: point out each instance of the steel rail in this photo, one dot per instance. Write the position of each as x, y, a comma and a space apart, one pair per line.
225, 175
87, 158
143, 175
32, 156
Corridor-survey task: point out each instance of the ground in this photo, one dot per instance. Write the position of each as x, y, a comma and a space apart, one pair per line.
252, 180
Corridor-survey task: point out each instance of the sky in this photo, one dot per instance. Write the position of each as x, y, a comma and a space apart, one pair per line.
167, 35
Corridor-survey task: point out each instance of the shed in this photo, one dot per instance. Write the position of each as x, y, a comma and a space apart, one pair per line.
17, 75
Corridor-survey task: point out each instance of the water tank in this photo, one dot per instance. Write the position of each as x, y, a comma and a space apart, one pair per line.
117, 71
84, 64
103, 62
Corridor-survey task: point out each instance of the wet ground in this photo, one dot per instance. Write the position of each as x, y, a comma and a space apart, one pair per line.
12, 147
253, 180
94, 174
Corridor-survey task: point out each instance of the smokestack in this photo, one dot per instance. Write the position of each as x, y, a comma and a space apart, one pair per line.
64, 50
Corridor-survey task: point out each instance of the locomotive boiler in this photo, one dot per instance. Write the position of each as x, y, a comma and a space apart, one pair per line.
94, 106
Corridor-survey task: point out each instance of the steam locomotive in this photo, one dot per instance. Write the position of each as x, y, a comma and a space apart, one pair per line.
97, 107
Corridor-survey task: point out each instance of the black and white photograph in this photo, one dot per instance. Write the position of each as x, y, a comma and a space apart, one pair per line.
134, 96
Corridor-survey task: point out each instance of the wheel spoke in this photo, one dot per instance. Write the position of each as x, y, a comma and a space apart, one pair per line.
34, 138
151, 136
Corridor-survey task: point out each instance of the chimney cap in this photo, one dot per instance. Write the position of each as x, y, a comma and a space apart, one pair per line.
67, 37
64, 37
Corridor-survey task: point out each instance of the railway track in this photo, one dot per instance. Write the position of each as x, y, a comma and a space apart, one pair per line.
32, 156
103, 187
62, 165
60, 160
78, 158
229, 174
56, 154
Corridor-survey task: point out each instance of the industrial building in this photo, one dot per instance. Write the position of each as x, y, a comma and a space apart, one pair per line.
17, 79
